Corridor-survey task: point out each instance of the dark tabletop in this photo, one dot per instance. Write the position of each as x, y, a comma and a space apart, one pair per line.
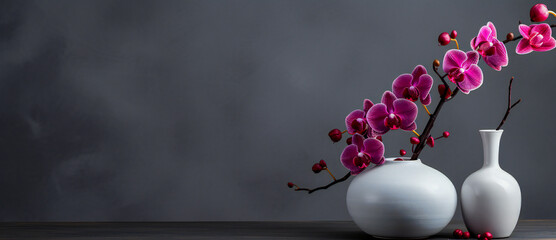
526, 229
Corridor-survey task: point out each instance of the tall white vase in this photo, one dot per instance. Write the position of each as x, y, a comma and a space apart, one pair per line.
491, 197
401, 199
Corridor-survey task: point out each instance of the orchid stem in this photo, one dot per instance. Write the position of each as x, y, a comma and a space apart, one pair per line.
345, 131
455, 40
553, 13
330, 174
416, 132
426, 109
348, 174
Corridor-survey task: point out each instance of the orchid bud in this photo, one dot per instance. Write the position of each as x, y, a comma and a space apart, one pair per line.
466, 235
430, 141
458, 233
454, 34
316, 168
510, 37
444, 39
442, 89
322, 163
487, 235
446, 134
436, 63
414, 140
348, 141
290, 184
538, 13
335, 135
402, 152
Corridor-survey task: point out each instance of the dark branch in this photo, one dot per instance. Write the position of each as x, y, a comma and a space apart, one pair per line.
510, 105
327, 186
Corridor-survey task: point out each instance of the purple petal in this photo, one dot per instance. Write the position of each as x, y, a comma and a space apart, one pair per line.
418, 71
543, 29
375, 148
406, 110
426, 100
400, 83
355, 114
473, 79
500, 57
492, 29
472, 58
410, 127
424, 86
388, 99
357, 140
524, 30
523, 47
547, 45
347, 158
473, 43
484, 35
453, 59
367, 104
375, 118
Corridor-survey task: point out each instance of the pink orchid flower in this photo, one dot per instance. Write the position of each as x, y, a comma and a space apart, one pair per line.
361, 153
493, 51
356, 121
462, 69
537, 37
416, 85
392, 113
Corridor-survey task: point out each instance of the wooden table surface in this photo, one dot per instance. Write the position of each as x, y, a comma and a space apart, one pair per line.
526, 229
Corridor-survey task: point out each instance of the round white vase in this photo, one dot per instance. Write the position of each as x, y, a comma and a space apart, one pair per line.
401, 199
491, 197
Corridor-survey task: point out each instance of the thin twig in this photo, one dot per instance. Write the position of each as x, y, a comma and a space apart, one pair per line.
510, 105
326, 186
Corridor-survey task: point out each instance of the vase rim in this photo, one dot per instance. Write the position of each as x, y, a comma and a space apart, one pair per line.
491, 130
405, 160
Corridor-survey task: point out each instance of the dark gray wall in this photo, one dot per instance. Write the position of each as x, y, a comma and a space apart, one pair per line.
203, 110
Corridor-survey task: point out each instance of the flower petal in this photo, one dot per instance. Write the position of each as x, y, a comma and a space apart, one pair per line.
355, 114
473, 79
485, 35
426, 100
453, 59
417, 72
472, 58
367, 104
400, 83
375, 118
357, 140
388, 99
492, 29
347, 158
424, 86
406, 110
543, 29
500, 57
547, 45
523, 47
375, 149
524, 30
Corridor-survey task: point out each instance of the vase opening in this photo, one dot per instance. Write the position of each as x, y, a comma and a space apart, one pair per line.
405, 159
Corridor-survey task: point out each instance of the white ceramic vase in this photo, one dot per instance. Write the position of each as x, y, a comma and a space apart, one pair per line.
491, 197
401, 199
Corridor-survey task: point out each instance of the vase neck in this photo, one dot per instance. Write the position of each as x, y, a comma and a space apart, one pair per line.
491, 145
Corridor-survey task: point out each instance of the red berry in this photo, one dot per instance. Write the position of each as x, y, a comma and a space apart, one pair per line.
348, 141
444, 39
402, 152
322, 163
479, 236
316, 168
487, 235
454, 34
430, 141
446, 134
442, 89
458, 233
398, 159
538, 13
414, 140
379, 138
335, 135
290, 185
